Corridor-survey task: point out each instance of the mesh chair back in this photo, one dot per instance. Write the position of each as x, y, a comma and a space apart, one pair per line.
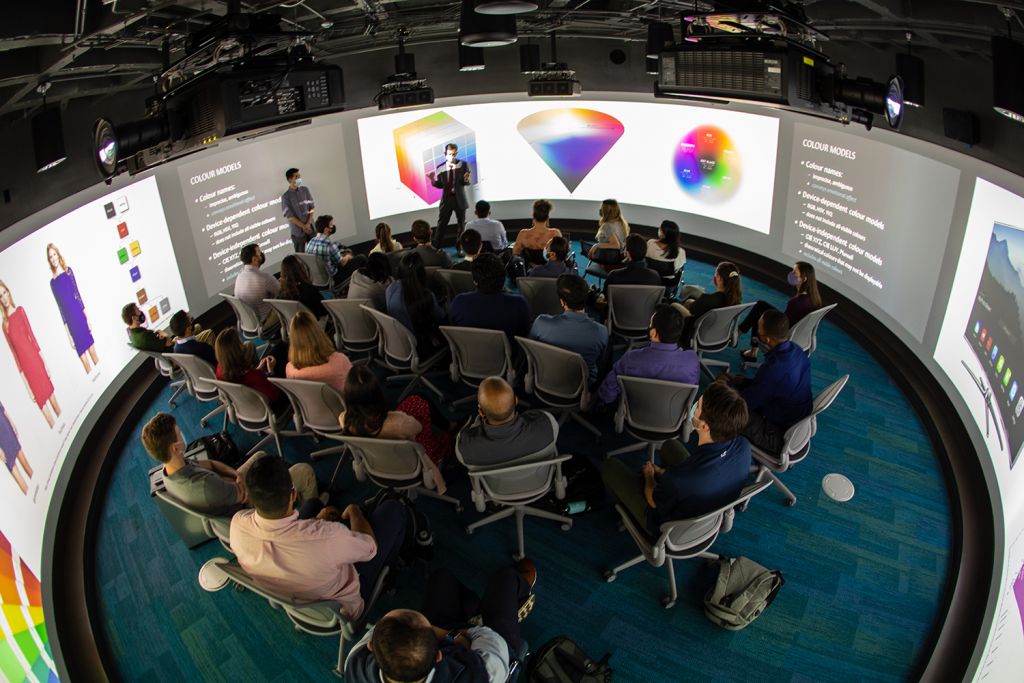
685, 534
397, 343
198, 374
477, 353
321, 616
718, 328
286, 310
630, 308
555, 372
541, 294
525, 478
218, 527
246, 404
797, 440
315, 403
654, 405
163, 366
317, 270
534, 256
456, 281
248, 321
805, 332
387, 461
354, 329
665, 269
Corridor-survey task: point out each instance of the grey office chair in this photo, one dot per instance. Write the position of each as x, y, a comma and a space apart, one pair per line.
455, 282
167, 369
319, 276
250, 410
559, 378
797, 442
717, 330
541, 294
286, 310
198, 374
397, 352
653, 411
316, 407
516, 484
319, 618
249, 324
194, 527
804, 333
476, 355
630, 308
681, 539
670, 277
354, 330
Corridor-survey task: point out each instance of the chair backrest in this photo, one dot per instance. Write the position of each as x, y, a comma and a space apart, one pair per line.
630, 308
655, 405
353, 327
533, 256
286, 310
683, 534
798, 436
245, 404
719, 327
456, 281
541, 294
397, 344
218, 527
318, 274
387, 461
556, 371
477, 353
665, 269
316, 404
248, 321
805, 332
163, 365
198, 374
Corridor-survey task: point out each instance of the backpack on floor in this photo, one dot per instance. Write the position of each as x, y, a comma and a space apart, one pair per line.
742, 591
418, 543
584, 489
561, 660
220, 447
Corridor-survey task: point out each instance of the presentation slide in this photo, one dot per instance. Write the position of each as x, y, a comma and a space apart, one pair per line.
233, 197
858, 209
704, 161
1001, 661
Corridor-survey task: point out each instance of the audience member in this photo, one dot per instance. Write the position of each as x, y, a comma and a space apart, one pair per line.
431, 256
141, 337
490, 307
612, 230
804, 301
500, 434
313, 559
635, 272
298, 208
667, 248
385, 243
472, 245
297, 286
530, 243
234, 365
340, 262
252, 285
372, 280
661, 359
188, 340
410, 301
558, 253
573, 329
491, 231
688, 485
311, 354
728, 292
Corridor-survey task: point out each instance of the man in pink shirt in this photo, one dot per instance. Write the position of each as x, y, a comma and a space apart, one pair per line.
313, 559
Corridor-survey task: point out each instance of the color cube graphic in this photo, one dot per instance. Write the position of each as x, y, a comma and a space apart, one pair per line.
24, 646
419, 149
571, 141
707, 165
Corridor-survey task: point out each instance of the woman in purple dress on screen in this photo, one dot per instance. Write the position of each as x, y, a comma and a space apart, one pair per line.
13, 455
72, 310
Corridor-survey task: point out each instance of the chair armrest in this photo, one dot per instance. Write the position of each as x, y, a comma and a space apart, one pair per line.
476, 472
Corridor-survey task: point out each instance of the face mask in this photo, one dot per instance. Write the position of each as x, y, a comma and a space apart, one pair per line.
141, 317
694, 420
263, 258
792, 278
298, 182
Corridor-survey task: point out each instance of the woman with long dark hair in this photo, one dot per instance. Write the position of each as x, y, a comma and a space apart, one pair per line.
235, 365
410, 301
728, 292
667, 247
372, 280
805, 300
297, 286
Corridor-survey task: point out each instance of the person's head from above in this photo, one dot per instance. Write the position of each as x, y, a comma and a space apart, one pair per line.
472, 243
293, 274
365, 405
806, 282
231, 357
404, 646
325, 224
483, 209
541, 211
558, 249
308, 345
270, 488
719, 414
668, 233
54, 258
488, 274
773, 328
666, 325
497, 401
421, 231
252, 255
411, 267
451, 150
377, 268
572, 292
181, 324
636, 248
610, 211
727, 279
130, 313
382, 233
293, 177
162, 439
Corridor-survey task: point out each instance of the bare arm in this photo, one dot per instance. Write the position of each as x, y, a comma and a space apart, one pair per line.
357, 521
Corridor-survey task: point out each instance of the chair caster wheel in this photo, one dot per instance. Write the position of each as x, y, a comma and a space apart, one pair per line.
566, 527
609, 576
239, 588
202, 423
668, 603
469, 531
790, 503
516, 557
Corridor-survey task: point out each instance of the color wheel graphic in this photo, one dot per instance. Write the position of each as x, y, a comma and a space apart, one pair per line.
706, 164
571, 141
24, 647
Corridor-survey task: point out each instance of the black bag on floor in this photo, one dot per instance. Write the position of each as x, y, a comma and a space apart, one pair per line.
418, 543
584, 489
220, 447
561, 660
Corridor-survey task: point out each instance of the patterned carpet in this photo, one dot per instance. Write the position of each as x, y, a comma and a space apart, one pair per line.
864, 579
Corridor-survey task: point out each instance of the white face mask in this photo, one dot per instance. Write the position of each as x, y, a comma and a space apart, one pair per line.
694, 420
298, 182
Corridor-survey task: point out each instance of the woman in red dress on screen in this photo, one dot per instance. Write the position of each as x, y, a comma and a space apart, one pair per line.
25, 350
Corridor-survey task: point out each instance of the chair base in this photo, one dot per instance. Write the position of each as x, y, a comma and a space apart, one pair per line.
765, 472
564, 414
219, 409
520, 512
179, 386
416, 378
668, 601
651, 447
707, 363
430, 493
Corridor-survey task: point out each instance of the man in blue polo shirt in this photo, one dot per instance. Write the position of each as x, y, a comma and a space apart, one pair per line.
573, 330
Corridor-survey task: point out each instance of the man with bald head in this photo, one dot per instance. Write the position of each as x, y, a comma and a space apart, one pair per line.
500, 435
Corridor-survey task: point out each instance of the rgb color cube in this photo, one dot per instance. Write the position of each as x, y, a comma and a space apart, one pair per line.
419, 149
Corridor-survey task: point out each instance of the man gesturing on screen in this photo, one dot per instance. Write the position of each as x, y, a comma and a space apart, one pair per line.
297, 207
451, 178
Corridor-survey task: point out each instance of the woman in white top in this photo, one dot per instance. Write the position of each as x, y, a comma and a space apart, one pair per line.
385, 243
612, 230
668, 246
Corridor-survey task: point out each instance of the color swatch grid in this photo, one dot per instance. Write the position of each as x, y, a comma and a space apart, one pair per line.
707, 165
24, 648
419, 149
571, 141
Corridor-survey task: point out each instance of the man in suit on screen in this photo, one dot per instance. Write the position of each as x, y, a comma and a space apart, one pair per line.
451, 178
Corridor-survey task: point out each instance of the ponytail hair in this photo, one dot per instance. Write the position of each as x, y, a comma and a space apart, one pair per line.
729, 278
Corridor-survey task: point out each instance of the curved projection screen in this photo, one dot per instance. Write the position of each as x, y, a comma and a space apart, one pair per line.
714, 163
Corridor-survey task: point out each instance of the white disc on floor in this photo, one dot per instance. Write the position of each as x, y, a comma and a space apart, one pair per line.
837, 487
212, 577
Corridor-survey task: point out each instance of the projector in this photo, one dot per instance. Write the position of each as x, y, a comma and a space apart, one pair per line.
555, 80
395, 94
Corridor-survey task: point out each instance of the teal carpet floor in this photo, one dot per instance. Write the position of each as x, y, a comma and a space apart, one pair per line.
864, 586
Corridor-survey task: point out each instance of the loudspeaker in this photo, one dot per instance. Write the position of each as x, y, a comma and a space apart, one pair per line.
48, 138
961, 125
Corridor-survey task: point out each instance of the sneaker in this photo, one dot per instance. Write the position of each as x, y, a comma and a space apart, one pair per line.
528, 570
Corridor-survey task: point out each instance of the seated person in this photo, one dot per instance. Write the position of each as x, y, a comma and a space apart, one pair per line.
371, 281
490, 307
421, 236
728, 292
312, 559
500, 434
441, 644
312, 356
573, 329
187, 340
558, 253
535, 239
472, 245
805, 300
296, 286
661, 359
384, 243
689, 485
208, 486
491, 231
779, 395
612, 230
411, 302
142, 338
252, 285
341, 263
635, 272
668, 247
234, 365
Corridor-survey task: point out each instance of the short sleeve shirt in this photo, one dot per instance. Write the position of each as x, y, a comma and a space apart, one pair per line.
296, 204
201, 489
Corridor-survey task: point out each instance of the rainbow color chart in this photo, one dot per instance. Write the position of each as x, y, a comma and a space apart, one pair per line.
24, 647
571, 141
419, 149
706, 164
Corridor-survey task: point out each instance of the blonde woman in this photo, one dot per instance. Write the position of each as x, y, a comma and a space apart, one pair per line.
312, 356
612, 230
25, 349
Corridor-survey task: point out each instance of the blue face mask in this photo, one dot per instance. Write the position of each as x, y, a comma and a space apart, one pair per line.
792, 278
298, 182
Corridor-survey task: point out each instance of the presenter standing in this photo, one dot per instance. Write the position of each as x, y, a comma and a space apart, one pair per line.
297, 208
451, 178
